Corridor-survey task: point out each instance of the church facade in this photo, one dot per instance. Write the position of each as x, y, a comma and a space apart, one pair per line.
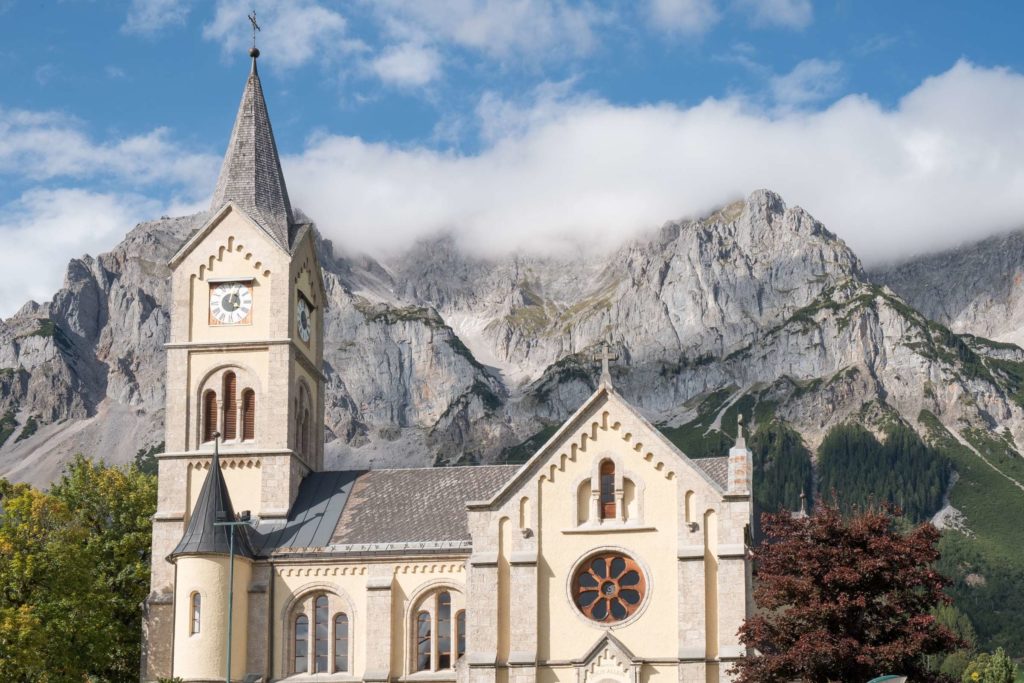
608, 557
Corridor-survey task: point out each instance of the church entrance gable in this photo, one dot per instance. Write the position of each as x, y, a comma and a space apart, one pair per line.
608, 661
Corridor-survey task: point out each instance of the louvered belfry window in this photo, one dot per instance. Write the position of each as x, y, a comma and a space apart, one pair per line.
248, 415
230, 407
209, 415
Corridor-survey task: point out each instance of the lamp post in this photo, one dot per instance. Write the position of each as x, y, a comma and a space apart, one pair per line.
242, 518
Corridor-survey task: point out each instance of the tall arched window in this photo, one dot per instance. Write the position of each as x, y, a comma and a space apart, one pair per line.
301, 643
248, 415
209, 415
196, 614
230, 407
321, 642
607, 490
341, 642
444, 630
460, 634
423, 641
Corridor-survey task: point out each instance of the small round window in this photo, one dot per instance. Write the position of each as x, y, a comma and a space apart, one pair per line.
608, 587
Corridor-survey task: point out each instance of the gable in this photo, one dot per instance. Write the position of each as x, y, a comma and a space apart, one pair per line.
215, 220
607, 412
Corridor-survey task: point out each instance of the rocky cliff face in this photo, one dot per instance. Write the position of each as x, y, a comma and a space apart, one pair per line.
439, 356
973, 289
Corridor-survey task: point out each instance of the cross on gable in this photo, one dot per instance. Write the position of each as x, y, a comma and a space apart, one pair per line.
605, 357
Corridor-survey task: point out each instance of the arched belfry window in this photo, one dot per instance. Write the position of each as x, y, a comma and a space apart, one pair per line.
230, 431
607, 490
248, 415
209, 415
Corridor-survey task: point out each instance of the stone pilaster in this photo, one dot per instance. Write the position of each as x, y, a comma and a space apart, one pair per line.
378, 623
259, 645
482, 617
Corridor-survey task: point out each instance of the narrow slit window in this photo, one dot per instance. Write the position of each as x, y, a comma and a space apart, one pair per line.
320, 651
196, 613
460, 634
444, 630
301, 643
248, 415
341, 642
607, 490
209, 415
230, 407
423, 641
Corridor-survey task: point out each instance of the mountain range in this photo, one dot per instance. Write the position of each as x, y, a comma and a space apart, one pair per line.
438, 356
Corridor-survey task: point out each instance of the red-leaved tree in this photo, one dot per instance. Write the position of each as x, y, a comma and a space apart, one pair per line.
844, 600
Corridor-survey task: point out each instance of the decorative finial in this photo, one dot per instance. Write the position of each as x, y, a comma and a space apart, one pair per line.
605, 357
254, 52
740, 441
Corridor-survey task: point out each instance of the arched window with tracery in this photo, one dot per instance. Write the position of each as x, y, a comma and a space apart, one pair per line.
230, 431
196, 605
248, 415
438, 630
423, 644
301, 643
209, 415
341, 642
607, 490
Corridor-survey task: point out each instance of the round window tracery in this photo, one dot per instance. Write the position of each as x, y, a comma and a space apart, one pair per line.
608, 587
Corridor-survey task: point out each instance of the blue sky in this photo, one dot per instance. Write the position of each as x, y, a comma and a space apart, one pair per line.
512, 123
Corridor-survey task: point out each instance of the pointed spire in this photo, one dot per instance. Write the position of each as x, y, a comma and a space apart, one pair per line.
251, 174
213, 505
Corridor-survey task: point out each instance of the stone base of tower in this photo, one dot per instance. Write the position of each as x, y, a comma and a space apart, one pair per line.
157, 637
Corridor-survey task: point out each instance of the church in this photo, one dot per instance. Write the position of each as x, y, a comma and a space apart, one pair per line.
608, 557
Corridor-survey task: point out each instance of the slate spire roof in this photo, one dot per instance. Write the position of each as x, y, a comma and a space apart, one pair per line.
213, 505
251, 174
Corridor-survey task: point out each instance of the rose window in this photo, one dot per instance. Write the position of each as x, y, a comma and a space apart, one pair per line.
608, 587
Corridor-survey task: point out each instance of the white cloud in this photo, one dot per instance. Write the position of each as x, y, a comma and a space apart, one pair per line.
535, 29
787, 13
45, 145
945, 165
43, 229
408, 65
147, 17
691, 17
293, 32
810, 81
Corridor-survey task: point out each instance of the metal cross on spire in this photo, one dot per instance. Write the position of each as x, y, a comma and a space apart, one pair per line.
605, 357
255, 27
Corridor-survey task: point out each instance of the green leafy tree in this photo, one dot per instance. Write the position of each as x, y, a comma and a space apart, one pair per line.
73, 572
991, 668
844, 600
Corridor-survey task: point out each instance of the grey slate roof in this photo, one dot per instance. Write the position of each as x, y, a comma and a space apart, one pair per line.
314, 515
716, 468
251, 174
202, 537
416, 505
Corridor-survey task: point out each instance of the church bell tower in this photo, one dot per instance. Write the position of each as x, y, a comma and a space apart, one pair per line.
244, 359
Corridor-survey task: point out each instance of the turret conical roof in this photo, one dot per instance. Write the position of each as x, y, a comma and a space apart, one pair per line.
203, 537
251, 174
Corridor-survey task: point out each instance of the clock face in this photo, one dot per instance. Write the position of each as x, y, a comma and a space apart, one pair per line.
303, 319
230, 303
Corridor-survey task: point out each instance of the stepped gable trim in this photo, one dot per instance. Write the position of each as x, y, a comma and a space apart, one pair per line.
576, 429
215, 220
203, 537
